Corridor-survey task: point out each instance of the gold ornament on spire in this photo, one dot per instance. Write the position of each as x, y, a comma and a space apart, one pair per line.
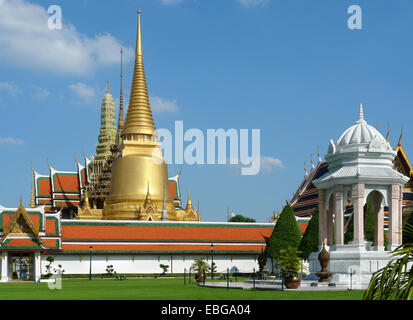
139, 118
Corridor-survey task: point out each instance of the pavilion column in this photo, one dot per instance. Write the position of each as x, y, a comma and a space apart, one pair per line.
4, 266
379, 225
37, 267
322, 217
357, 197
339, 214
330, 227
394, 222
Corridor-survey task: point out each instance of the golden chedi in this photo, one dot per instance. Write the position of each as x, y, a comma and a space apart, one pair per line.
139, 184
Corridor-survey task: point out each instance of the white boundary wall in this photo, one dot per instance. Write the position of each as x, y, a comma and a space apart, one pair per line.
124, 264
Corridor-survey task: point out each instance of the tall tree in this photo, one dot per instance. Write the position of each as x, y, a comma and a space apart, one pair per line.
286, 234
309, 241
241, 218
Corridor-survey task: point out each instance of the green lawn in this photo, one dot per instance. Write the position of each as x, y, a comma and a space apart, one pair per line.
155, 289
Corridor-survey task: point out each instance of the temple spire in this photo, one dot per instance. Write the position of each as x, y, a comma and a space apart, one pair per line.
31, 187
189, 203
139, 117
121, 116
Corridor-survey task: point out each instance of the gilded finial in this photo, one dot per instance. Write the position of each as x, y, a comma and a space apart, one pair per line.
311, 160
107, 86
189, 203
305, 168
400, 139
48, 164
21, 202
86, 204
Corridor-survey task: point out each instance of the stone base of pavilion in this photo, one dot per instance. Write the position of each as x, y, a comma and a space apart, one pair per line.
306, 285
352, 264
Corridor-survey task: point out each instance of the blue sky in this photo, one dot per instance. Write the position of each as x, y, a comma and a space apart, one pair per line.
292, 69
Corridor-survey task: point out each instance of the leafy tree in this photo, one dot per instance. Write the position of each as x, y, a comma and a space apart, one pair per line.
285, 234
408, 237
50, 259
309, 241
290, 262
199, 266
213, 267
164, 268
110, 270
241, 218
395, 280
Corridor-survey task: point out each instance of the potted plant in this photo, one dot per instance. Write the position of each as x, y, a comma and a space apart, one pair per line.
200, 266
289, 260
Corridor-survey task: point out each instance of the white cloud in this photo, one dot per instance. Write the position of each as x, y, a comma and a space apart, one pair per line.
11, 88
253, 3
86, 94
40, 94
11, 141
26, 41
159, 105
269, 164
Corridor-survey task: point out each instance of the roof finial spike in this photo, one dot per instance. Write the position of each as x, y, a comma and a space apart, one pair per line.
388, 132
318, 154
400, 139
107, 86
361, 114
139, 38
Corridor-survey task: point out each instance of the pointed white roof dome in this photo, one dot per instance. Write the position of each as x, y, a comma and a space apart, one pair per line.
360, 155
360, 133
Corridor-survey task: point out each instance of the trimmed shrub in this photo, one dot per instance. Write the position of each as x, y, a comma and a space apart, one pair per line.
309, 241
286, 234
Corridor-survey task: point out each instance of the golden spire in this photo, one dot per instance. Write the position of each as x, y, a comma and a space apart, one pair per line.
86, 204
189, 203
31, 187
139, 118
121, 118
107, 86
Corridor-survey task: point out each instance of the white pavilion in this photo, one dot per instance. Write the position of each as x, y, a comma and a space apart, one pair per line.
359, 166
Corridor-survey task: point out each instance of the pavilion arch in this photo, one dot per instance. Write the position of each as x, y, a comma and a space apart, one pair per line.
377, 202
